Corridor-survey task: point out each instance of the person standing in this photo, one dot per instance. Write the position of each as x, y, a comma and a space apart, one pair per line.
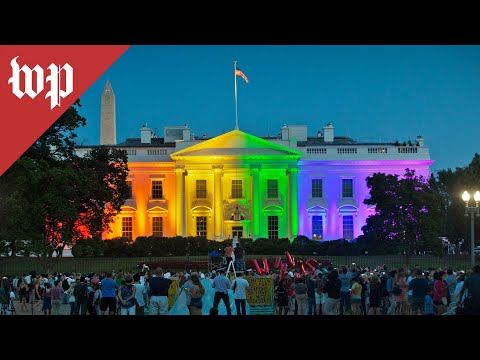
119, 279
126, 296
23, 294
221, 285
239, 257
356, 297
418, 286
240, 286
451, 282
57, 295
375, 297
229, 254
400, 292
440, 292
332, 289
140, 295
311, 291
389, 289
346, 278
159, 293
81, 296
196, 293
47, 299
109, 288
71, 298
281, 298
188, 285
428, 303
472, 287
301, 296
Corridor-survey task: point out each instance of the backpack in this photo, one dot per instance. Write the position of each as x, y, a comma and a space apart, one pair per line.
81, 294
65, 285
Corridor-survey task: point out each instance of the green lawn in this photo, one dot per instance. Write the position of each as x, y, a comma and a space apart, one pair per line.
16, 266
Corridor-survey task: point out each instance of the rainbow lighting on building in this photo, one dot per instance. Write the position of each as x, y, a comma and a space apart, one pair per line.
244, 185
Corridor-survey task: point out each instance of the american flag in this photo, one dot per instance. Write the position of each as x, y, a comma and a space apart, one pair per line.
239, 72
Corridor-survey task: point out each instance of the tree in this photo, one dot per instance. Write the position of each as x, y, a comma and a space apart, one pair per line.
451, 184
408, 213
52, 197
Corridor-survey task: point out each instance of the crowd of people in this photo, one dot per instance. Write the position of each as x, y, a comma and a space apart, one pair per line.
326, 291
362, 291
116, 293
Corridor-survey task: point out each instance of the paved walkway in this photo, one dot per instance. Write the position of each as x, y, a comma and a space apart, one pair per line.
64, 309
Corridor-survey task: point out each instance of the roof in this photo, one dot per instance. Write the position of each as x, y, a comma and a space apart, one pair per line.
237, 143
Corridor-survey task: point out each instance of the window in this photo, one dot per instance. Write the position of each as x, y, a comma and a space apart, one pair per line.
317, 227
201, 189
237, 192
157, 226
272, 189
273, 227
348, 227
347, 188
157, 189
129, 184
127, 227
317, 188
202, 226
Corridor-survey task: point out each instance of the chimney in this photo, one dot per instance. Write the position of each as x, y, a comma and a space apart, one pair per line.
319, 134
186, 133
146, 135
284, 132
420, 140
328, 133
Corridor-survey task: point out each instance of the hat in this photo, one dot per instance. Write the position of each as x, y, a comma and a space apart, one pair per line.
187, 275
214, 272
290, 274
202, 276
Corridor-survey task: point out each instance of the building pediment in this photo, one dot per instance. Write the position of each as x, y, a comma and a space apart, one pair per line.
237, 143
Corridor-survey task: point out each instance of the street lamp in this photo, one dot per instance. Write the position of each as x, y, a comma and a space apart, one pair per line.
472, 211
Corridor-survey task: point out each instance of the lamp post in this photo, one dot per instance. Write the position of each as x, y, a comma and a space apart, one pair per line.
472, 211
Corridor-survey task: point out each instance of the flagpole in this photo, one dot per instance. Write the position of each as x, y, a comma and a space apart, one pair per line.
235, 79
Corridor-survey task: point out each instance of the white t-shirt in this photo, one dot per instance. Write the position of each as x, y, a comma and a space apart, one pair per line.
28, 279
139, 294
242, 285
70, 281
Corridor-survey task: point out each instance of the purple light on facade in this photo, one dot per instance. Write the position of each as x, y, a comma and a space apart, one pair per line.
333, 206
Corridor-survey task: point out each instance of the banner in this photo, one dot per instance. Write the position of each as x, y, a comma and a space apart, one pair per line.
38, 83
260, 292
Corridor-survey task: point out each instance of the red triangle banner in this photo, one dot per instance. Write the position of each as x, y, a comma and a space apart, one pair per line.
38, 83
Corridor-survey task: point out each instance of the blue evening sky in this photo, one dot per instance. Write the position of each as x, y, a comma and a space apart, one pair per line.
370, 93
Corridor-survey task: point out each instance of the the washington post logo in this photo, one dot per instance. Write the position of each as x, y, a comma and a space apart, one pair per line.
59, 81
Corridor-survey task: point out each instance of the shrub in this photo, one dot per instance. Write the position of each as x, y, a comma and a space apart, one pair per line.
93, 247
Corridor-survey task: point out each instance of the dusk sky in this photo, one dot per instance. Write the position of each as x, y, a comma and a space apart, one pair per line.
370, 93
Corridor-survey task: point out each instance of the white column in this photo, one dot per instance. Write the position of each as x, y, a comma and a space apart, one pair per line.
218, 199
292, 202
256, 201
179, 201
